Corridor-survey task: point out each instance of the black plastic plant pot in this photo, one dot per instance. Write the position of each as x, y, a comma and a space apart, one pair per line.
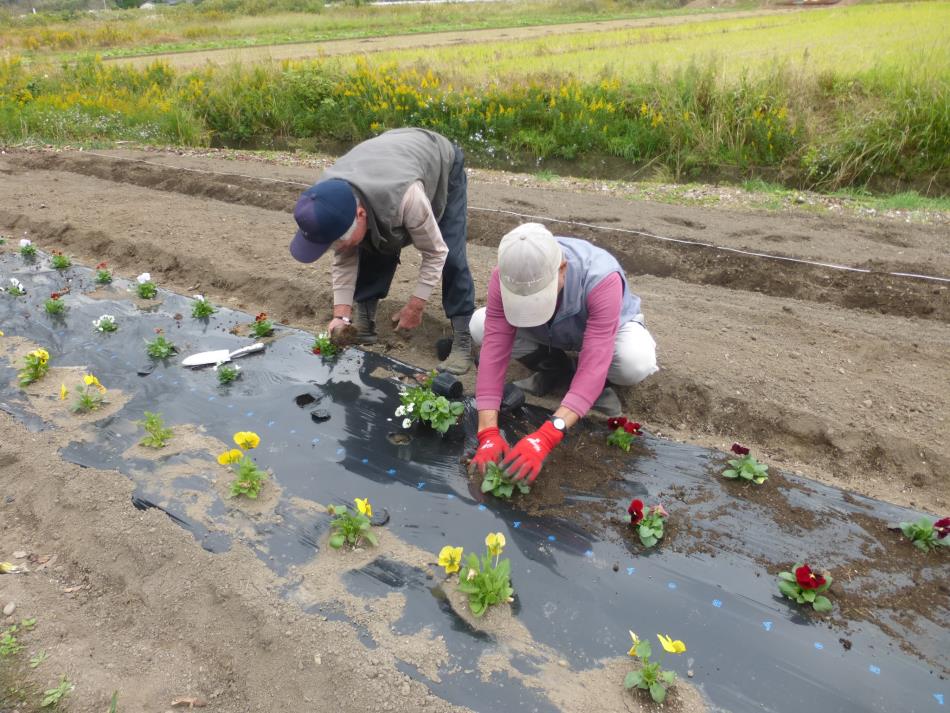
512, 398
443, 347
447, 385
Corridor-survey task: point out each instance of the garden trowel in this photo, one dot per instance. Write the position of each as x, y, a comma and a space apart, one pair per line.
221, 355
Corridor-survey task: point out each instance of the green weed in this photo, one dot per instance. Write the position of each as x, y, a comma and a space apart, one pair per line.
53, 696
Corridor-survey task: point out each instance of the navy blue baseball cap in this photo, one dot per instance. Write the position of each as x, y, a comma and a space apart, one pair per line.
324, 213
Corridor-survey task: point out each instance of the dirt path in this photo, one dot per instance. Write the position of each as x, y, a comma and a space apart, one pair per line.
333, 48
842, 376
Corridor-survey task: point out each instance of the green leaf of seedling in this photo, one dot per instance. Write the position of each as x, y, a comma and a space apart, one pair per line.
921, 545
371, 537
822, 604
658, 692
467, 588
457, 408
632, 679
643, 649
648, 541
824, 587
488, 484
336, 540
789, 589
668, 676
809, 595
730, 473
477, 607
787, 576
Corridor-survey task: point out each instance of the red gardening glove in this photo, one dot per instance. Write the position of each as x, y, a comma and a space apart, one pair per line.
491, 446
525, 459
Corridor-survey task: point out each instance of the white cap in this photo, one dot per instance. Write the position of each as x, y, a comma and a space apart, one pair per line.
529, 258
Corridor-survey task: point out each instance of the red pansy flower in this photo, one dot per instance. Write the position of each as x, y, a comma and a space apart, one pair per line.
55, 295
631, 427
942, 527
101, 266
739, 449
614, 423
316, 350
261, 317
636, 511
807, 579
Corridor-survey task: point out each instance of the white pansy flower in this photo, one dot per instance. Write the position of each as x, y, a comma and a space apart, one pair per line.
143, 278
16, 284
200, 298
25, 243
410, 407
401, 411
406, 423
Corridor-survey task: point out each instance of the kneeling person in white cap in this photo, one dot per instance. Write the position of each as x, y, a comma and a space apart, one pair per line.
556, 293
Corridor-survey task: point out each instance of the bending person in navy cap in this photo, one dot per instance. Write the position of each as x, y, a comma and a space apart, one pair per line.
406, 186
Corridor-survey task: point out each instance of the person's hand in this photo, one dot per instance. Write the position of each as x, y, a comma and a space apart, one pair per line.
525, 459
335, 324
491, 446
410, 316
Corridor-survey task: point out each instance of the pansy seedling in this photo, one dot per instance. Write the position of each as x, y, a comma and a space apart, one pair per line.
745, 468
804, 586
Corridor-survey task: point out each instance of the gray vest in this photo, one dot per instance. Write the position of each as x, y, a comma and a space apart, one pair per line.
587, 265
382, 169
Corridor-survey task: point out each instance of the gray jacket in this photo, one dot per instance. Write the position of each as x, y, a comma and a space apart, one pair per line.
381, 169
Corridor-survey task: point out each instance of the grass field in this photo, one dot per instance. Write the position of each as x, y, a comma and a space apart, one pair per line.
909, 37
852, 97
214, 25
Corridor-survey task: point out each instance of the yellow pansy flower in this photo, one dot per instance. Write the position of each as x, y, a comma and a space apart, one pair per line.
495, 541
247, 439
62, 392
42, 355
231, 456
91, 380
362, 504
636, 640
670, 646
450, 558
1, 332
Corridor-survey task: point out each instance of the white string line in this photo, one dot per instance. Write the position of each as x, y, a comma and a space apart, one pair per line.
549, 219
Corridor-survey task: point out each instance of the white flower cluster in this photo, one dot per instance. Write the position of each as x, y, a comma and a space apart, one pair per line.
222, 363
200, 298
16, 287
404, 411
24, 243
143, 278
105, 323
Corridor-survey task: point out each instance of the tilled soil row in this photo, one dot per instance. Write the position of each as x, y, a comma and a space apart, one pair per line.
671, 398
875, 291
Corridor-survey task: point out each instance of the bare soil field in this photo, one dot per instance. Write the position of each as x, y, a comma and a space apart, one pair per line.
838, 375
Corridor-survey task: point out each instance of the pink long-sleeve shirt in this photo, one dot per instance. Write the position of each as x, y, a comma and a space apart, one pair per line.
604, 303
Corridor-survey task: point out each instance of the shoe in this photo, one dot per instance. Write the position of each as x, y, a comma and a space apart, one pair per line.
608, 404
540, 383
459, 360
365, 322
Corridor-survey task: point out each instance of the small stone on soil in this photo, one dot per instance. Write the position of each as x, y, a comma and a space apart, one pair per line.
19, 554
9, 609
